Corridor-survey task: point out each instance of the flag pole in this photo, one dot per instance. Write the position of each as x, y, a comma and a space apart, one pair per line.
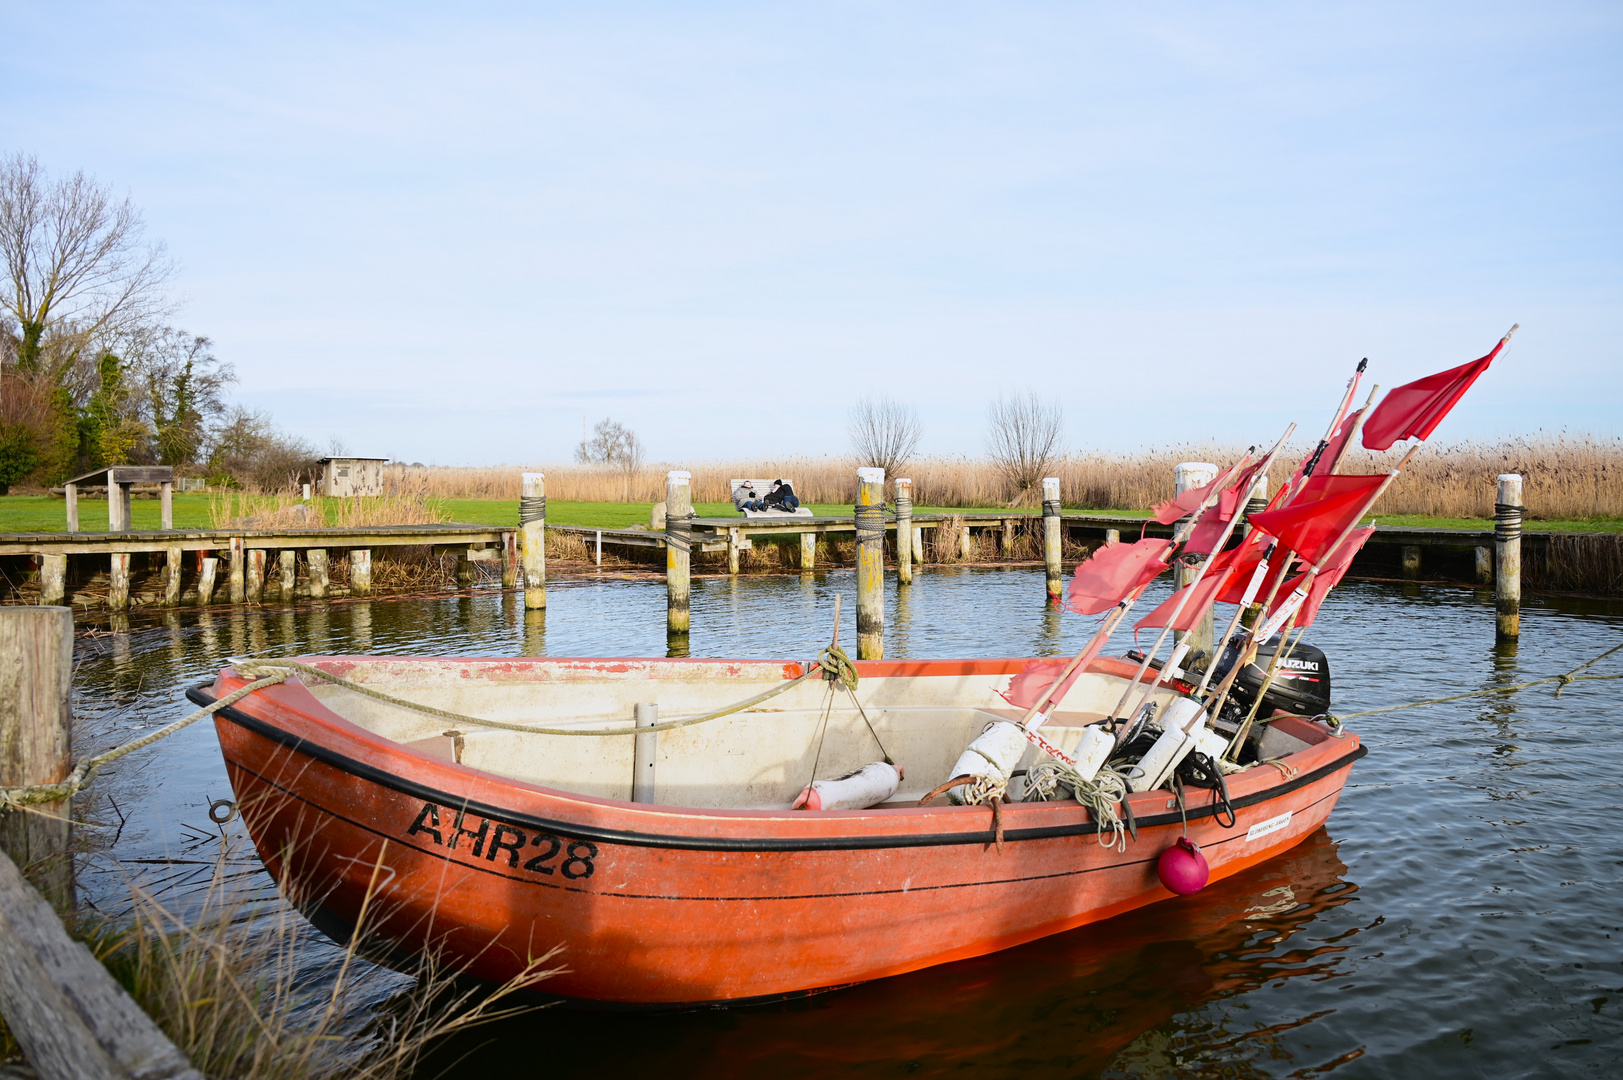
1188, 590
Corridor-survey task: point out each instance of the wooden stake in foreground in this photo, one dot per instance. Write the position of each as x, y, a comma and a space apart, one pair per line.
36, 726
678, 548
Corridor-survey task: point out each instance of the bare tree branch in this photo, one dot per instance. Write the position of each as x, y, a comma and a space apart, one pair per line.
1023, 441
885, 433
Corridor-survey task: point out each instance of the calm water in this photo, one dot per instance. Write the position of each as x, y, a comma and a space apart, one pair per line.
1458, 917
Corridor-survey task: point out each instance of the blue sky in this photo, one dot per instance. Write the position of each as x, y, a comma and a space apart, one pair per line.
447, 233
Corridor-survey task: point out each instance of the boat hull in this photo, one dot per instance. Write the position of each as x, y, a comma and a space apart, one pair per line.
664, 905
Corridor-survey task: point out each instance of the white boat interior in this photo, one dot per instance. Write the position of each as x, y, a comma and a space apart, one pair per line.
760, 758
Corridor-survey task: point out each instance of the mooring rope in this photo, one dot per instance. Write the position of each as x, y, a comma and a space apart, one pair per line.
1101, 795
679, 533
531, 508
870, 521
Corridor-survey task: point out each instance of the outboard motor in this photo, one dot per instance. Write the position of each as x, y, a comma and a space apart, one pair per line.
1301, 686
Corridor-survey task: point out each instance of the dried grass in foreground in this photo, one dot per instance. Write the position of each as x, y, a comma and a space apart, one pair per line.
248, 990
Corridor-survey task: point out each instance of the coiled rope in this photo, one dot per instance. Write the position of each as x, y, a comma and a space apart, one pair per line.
870, 522
1050, 508
531, 508
1046, 781
679, 533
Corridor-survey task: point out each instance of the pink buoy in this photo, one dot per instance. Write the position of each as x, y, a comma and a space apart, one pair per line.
1182, 868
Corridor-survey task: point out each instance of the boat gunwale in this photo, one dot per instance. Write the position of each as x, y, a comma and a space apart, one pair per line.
204, 694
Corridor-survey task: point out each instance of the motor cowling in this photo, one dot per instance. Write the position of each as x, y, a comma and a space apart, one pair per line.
1301, 685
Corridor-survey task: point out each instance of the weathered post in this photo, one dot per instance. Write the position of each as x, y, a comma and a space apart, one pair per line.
36, 725
255, 586
904, 530
71, 491
239, 569
678, 548
360, 571
918, 543
808, 552
289, 566
509, 560
166, 497
1507, 563
173, 559
1006, 542
966, 543
644, 752
464, 567
1410, 554
1255, 503
870, 522
316, 562
53, 579
532, 523
1484, 564
1188, 475
733, 537
205, 579
118, 581
1112, 536
1051, 537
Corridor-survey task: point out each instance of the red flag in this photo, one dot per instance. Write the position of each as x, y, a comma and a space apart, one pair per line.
1244, 561
1183, 504
1319, 514
1200, 598
1028, 687
1115, 571
1217, 516
1337, 444
1414, 410
1329, 577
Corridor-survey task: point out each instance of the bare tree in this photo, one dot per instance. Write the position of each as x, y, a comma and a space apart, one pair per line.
78, 273
885, 433
616, 446
1023, 441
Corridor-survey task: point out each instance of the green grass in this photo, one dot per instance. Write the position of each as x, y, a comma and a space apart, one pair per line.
41, 513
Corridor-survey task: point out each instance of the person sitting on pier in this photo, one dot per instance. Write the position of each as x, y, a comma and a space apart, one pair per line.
781, 497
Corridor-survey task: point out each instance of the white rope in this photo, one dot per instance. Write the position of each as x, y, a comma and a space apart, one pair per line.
1046, 781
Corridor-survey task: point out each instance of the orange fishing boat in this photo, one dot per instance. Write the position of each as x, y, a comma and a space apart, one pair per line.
492, 844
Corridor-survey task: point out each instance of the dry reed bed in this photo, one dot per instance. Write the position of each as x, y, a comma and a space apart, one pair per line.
1564, 477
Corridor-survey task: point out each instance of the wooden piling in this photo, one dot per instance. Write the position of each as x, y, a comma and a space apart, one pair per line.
870, 523
1410, 554
808, 552
173, 560
918, 543
239, 569
733, 537
288, 558
360, 571
205, 579
255, 584
966, 543
36, 725
1189, 475
71, 491
678, 549
1484, 564
1112, 536
316, 563
904, 530
1507, 563
464, 567
509, 560
1051, 537
1006, 541
166, 499
118, 581
532, 523
644, 753
53, 579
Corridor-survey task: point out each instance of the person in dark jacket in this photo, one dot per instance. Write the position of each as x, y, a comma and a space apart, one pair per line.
781, 497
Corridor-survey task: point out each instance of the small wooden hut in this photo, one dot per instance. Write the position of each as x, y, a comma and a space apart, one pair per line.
345, 476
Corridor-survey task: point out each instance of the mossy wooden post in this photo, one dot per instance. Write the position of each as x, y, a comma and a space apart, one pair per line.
71, 492
532, 522
239, 570
1410, 554
255, 584
173, 560
733, 548
509, 560
205, 579
678, 548
1484, 564
870, 522
316, 561
36, 726
166, 496
808, 552
53, 579
1051, 537
1507, 562
289, 566
1189, 475
118, 581
360, 572
1006, 541
1112, 536
904, 530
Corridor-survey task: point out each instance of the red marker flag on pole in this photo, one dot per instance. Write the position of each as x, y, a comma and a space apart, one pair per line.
1414, 410
1113, 572
1319, 514
1200, 595
1328, 577
1028, 687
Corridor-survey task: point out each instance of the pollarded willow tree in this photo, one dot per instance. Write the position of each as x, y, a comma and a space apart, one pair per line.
885, 433
1024, 436
614, 446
